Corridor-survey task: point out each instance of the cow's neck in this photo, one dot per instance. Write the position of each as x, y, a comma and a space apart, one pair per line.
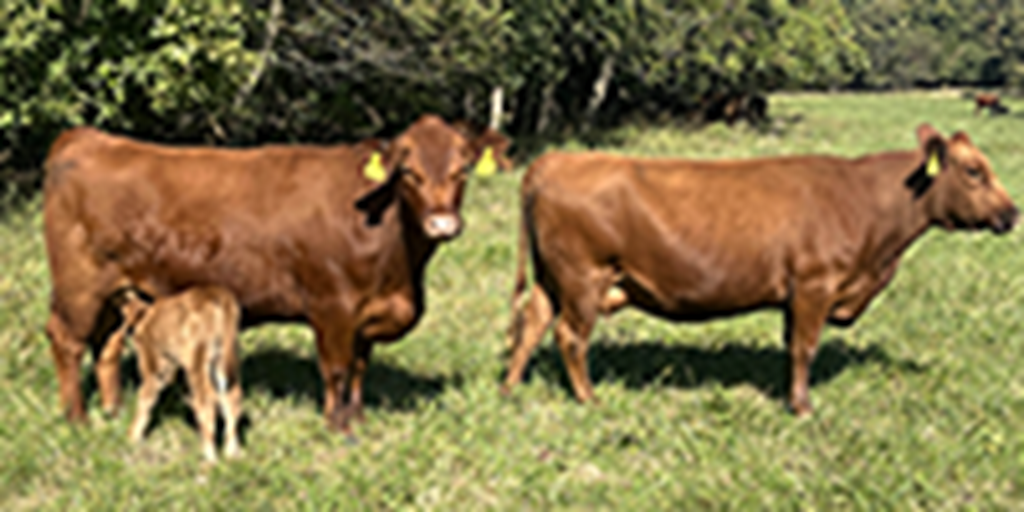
407, 254
902, 217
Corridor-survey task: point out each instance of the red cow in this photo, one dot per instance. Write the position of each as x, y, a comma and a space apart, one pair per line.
814, 236
296, 233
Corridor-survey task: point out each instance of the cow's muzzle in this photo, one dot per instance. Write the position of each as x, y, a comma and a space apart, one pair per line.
1005, 220
442, 226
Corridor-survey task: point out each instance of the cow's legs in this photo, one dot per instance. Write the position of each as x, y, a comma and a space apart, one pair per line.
572, 333
805, 318
69, 328
527, 329
335, 343
67, 356
364, 349
582, 292
78, 317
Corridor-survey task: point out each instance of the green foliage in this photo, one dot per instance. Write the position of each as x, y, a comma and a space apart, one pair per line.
924, 42
235, 72
919, 405
127, 65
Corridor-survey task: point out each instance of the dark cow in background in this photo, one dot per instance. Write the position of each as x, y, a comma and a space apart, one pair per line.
334, 236
991, 102
815, 236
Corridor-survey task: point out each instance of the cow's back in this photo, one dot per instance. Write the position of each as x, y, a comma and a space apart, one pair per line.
170, 218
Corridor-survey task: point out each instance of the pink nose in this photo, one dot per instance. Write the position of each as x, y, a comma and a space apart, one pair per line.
442, 226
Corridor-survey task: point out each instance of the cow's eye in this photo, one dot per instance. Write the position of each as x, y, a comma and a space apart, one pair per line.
974, 173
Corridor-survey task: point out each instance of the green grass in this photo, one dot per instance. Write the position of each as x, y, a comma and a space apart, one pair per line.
919, 406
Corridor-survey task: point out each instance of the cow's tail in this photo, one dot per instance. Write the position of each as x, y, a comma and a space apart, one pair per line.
218, 376
223, 362
522, 253
522, 249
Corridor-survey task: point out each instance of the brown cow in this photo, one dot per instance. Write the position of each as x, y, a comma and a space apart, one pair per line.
195, 330
296, 233
991, 102
499, 143
814, 236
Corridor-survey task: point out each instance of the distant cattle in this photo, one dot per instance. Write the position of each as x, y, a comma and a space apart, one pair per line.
991, 102
736, 107
814, 236
196, 331
337, 237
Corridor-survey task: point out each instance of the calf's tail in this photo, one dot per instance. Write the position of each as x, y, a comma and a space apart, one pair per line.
216, 366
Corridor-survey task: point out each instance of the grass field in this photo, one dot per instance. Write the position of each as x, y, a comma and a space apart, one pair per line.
919, 406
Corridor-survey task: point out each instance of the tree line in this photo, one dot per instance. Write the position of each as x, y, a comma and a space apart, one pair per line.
237, 72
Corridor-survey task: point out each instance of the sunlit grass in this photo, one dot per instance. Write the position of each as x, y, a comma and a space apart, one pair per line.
919, 406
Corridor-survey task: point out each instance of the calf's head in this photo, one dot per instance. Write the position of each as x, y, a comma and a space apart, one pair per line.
962, 190
427, 167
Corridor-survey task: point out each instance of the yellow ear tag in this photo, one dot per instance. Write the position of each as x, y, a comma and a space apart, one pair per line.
934, 167
374, 169
486, 166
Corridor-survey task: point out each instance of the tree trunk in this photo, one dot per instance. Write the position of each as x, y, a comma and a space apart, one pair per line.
547, 106
468, 106
600, 91
497, 104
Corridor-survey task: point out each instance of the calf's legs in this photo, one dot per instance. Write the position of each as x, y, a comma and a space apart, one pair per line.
156, 374
204, 407
230, 400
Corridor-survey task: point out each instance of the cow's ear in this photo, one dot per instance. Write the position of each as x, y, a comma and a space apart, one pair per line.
380, 160
935, 156
961, 137
488, 151
926, 132
934, 148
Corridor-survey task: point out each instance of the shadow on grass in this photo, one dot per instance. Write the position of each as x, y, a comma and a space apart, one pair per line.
286, 375
653, 363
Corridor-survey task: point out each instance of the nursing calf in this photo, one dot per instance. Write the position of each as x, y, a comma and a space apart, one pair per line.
817, 237
196, 331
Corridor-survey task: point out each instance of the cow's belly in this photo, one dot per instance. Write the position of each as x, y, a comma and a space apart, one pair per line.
678, 290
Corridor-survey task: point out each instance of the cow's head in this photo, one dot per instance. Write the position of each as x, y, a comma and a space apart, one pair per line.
426, 168
961, 191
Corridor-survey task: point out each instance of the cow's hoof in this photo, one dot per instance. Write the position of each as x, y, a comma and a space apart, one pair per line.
801, 409
110, 413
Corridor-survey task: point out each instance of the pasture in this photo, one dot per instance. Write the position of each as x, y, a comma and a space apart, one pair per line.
918, 406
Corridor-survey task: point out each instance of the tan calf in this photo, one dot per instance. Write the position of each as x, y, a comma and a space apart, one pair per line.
195, 330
